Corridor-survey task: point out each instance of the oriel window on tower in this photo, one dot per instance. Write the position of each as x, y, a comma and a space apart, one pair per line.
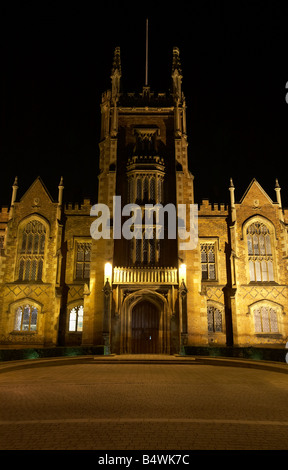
145, 251
145, 188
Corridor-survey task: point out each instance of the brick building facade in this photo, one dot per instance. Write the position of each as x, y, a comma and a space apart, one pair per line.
61, 286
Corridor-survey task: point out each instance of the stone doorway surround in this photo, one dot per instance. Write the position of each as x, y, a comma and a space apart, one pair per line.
157, 299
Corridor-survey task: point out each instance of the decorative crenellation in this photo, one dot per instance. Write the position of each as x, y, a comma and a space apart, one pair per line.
3, 211
4, 216
77, 208
152, 159
150, 98
206, 208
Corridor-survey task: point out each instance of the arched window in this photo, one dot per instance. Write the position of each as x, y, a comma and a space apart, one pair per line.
76, 318
260, 257
26, 318
265, 319
214, 318
32, 251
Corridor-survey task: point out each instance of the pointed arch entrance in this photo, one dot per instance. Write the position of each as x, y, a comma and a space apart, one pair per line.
145, 313
145, 324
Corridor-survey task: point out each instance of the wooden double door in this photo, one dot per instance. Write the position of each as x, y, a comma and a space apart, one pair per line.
145, 328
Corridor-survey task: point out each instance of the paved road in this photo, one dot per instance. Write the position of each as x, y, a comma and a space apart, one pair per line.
86, 405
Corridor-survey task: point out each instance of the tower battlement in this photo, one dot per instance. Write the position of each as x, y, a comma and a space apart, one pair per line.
4, 213
78, 208
207, 208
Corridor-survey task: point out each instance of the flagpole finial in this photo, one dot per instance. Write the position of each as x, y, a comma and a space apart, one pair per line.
146, 62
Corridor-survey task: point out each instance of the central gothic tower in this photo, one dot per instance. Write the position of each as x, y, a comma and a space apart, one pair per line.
143, 159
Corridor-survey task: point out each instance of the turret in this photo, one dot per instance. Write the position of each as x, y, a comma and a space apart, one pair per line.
278, 195
13, 197
179, 99
116, 73
176, 75
232, 199
115, 79
60, 198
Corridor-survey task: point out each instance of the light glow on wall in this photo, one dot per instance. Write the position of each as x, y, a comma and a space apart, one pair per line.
182, 273
108, 273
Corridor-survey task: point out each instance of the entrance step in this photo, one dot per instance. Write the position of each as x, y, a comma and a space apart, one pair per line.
144, 359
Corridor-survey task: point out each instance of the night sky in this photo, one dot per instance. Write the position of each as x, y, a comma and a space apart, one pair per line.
56, 62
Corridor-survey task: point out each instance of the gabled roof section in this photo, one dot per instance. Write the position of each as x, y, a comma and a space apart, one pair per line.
37, 186
255, 191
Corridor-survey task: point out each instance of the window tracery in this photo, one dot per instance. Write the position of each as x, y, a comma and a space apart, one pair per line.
26, 318
83, 257
32, 252
260, 258
208, 261
214, 318
265, 319
76, 315
145, 188
144, 250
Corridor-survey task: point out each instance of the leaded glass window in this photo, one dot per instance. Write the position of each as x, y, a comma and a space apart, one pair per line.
214, 318
152, 249
208, 266
145, 189
152, 188
138, 250
83, 260
76, 318
32, 252
131, 190
160, 191
26, 318
260, 258
265, 319
139, 189
146, 249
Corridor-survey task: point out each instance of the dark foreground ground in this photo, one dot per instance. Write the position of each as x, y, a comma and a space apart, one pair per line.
150, 403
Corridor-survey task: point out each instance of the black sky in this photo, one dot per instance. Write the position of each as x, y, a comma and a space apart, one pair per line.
56, 62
